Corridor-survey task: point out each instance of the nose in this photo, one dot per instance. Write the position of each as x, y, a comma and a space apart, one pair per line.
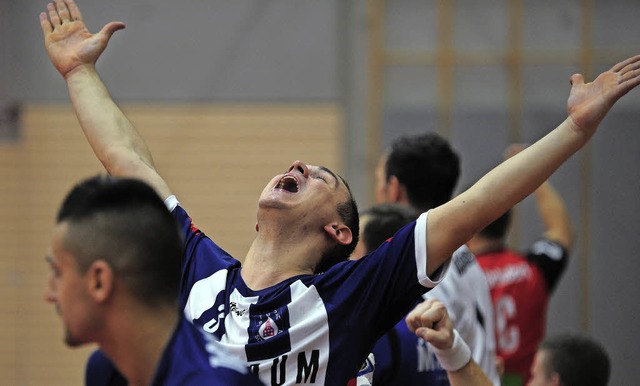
301, 167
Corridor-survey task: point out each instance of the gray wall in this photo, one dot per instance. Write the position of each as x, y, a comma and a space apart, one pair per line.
190, 50
304, 50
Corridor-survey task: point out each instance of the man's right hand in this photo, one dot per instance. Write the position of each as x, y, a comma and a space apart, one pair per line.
67, 40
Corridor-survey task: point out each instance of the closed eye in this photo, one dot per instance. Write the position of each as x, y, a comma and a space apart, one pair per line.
53, 266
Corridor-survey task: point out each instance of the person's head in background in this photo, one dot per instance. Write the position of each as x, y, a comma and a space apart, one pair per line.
378, 223
417, 170
570, 360
115, 252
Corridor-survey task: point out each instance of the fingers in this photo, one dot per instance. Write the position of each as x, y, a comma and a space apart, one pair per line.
627, 69
431, 322
63, 12
74, 11
439, 339
110, 28
45, 24
413, 319
620, 66
576, 79
426, 314
53, 15
425, 334
630, 72
629, 81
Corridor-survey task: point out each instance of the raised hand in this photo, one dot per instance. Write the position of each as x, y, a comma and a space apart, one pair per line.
430, 321
67, 40
588, 103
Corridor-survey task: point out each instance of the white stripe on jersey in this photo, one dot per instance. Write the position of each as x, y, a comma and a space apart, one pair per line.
237, 323
203, 295
310, 327
309, 333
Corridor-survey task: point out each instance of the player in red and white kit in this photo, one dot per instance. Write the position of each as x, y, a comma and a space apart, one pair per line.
521, 284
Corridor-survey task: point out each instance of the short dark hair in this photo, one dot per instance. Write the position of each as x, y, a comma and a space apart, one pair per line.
578, 359
384, 220
124, 222
348, 212
427, 166
497, 230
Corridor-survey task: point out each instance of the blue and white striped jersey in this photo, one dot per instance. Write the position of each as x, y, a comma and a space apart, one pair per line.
308, 329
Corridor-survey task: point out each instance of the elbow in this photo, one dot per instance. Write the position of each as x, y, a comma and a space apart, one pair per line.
121, 165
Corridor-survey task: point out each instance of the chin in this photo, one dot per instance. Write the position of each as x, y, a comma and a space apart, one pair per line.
273, 202
72, 341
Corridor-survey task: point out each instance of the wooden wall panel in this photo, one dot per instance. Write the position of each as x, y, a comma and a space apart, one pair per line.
216, 158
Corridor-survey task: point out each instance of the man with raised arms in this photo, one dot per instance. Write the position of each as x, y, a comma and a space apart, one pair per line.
293, 312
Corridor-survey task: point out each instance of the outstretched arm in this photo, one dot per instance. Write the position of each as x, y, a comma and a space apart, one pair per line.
73, 51
455, 222
430, 321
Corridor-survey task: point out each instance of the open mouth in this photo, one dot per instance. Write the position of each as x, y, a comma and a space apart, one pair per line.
288, 183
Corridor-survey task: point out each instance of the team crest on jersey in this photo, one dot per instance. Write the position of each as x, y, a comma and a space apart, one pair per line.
269, 325
268, 329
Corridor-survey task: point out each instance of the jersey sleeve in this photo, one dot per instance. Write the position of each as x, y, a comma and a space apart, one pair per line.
551, 258
378, 290
202, 257
457, 296
420, 255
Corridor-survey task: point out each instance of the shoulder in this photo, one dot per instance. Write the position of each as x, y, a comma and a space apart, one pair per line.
100, 371
213, 377
551, 259
193, 355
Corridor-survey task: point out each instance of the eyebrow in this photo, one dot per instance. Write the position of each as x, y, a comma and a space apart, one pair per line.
327, 170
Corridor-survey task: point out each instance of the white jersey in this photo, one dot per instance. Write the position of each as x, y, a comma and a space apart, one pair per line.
465, 292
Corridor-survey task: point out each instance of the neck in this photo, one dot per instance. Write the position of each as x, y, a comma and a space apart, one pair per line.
136, 338
277, 256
